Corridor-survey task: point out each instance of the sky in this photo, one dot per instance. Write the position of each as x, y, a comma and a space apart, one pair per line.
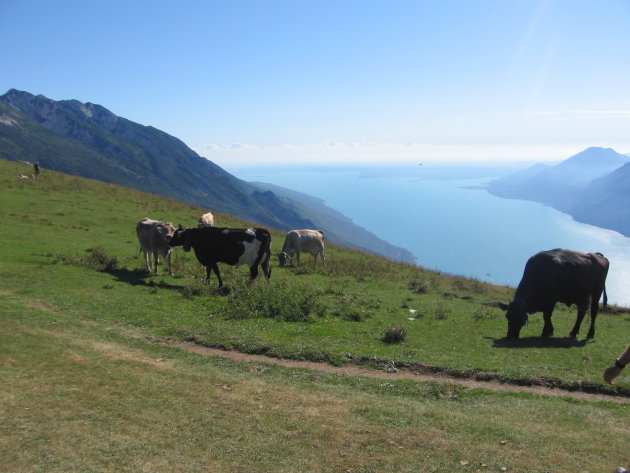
263, 82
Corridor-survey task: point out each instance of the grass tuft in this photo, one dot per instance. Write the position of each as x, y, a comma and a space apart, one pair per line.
395, 334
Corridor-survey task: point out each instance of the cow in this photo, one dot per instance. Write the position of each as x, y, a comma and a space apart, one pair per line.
206, 220
233, 246
154, 237
555, 276
302, 241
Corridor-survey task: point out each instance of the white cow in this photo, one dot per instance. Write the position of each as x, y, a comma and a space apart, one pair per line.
206, 220
302, 241
154, 237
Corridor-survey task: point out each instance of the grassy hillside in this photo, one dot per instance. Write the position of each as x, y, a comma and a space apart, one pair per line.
70, 244
84, 389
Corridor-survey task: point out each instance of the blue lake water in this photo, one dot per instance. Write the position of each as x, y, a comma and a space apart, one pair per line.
454, 225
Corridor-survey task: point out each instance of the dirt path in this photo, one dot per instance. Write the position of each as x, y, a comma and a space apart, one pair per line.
353, 370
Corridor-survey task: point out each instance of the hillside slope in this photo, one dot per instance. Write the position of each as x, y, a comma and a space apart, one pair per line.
605, 201
88, 140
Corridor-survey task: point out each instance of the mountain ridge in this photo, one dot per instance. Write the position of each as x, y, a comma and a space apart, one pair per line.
88, 140
592, 186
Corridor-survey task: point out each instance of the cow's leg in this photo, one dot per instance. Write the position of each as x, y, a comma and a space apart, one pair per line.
168, 261
581, 311
297, 257
548, 326
594, 312
322, 255
253, 273
147, 260
215, 268
266, 269
156, 256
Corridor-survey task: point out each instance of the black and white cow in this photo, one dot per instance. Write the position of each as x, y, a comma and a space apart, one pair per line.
233, 246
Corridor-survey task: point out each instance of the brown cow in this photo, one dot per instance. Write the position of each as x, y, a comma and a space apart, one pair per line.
302, 241
154, 237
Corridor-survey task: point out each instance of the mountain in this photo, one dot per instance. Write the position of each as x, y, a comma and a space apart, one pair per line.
516, 183
605, 201
592, 186
88, 140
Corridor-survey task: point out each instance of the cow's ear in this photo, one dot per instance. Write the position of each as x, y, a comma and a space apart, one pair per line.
504, 306
181, 227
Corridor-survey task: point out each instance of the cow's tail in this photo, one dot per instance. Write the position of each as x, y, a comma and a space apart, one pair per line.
605, 298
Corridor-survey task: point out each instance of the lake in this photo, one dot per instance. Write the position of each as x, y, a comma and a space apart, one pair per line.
446, 218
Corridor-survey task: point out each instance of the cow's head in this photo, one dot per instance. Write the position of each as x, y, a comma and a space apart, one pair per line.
181, 237
283, 258
516, 315
167, 230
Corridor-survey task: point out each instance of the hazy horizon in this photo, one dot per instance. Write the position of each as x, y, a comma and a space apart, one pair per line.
338, 82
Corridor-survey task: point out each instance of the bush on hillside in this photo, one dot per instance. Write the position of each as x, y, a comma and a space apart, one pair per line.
96, 258
280, 301
395, 334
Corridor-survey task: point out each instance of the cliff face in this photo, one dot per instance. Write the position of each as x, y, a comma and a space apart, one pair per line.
90, 141
593, 186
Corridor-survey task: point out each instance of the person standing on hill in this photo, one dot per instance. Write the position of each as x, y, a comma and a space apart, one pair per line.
620, 363
36, 169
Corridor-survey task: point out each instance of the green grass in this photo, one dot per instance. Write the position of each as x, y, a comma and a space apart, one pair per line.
79, 395
83, 389
70, 243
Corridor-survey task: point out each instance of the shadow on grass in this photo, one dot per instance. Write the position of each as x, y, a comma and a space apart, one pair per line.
538, 342
140, 278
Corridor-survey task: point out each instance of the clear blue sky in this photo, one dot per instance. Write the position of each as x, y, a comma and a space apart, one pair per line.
263, 81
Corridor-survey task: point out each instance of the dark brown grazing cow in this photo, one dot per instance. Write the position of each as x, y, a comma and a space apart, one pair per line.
555, 276
233, 246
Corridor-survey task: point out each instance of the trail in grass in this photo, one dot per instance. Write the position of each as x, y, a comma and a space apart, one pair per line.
402, 373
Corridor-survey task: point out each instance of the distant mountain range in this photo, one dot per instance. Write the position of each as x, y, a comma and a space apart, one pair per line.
593, 187
88, 140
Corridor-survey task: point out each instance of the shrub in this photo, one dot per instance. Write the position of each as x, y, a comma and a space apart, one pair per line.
279, 301
96, 258
395, 334
419, 286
